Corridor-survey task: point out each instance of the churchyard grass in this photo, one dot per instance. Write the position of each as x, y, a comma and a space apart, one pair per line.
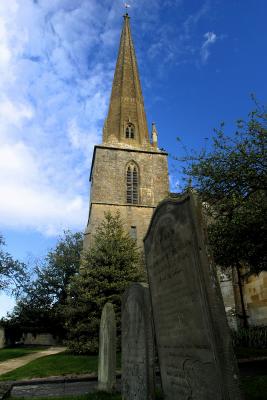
54, 365
15, 352
255, 388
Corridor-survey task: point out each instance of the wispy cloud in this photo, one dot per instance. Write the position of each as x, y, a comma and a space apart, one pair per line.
55, 77
210, 39
56, 67
193, 19
178, 43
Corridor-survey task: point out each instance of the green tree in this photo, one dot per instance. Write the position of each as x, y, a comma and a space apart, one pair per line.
112, 262
39, 308
12, 272
231, 179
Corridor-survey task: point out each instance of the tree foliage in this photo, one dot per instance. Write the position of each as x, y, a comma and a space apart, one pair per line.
39, 308
111, 263
12, 272
231, 179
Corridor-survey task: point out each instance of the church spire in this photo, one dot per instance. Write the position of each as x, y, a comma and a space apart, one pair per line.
126, 121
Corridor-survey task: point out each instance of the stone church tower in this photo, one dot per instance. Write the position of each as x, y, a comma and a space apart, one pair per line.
129, 173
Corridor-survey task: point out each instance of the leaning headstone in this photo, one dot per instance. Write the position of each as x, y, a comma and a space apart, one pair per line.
194, 344
138, 377
107, 350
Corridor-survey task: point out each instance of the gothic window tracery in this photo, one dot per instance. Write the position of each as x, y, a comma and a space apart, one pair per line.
129, 131
132, 183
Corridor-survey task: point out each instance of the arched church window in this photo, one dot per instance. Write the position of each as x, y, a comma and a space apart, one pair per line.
129, 131
132, 184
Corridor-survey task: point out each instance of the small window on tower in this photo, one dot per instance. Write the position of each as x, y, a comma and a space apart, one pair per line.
133, 232
129, 132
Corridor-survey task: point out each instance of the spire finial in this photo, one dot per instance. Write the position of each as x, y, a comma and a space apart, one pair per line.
126, 5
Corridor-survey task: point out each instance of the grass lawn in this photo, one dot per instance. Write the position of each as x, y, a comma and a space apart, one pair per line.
14, 352
255, 388
54, 365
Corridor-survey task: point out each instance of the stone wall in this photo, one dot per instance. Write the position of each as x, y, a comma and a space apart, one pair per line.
255, 293
255, 298
108, 187
138, 217
108, 183
43, 339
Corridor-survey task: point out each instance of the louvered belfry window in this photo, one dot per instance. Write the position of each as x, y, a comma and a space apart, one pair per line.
132, 184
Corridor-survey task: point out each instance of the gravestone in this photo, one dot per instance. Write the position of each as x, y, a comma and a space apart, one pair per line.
138, 377
193, 339
2, 338
107, 350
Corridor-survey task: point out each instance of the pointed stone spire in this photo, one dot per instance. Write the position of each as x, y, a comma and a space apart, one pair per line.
126, 121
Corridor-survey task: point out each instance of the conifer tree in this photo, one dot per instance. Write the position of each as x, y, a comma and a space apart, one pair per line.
110, 265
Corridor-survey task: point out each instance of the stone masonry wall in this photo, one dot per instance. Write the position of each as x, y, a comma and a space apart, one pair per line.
255, 293
131, 216
108, 183
108, 187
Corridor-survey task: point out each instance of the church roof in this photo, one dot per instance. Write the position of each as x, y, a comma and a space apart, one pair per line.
126, 108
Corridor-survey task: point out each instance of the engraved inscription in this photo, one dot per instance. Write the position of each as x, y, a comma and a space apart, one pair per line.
185, 349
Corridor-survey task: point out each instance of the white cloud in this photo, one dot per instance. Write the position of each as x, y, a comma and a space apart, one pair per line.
54, 88
175, 184
11, 113
7, 304
210, 39
27, 200
56, 68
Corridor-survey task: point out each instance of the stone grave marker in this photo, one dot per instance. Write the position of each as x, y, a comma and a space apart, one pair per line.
193, 339
2, 338
107, 350
138, 377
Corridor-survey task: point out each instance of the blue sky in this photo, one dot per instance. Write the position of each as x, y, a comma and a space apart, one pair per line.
199, 60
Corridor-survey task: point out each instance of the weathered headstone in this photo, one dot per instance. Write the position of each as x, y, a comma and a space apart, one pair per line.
138, 377
2, 338
107, 350
193, 339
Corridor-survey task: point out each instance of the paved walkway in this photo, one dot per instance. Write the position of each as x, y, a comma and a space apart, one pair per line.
54, 389
14, 363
